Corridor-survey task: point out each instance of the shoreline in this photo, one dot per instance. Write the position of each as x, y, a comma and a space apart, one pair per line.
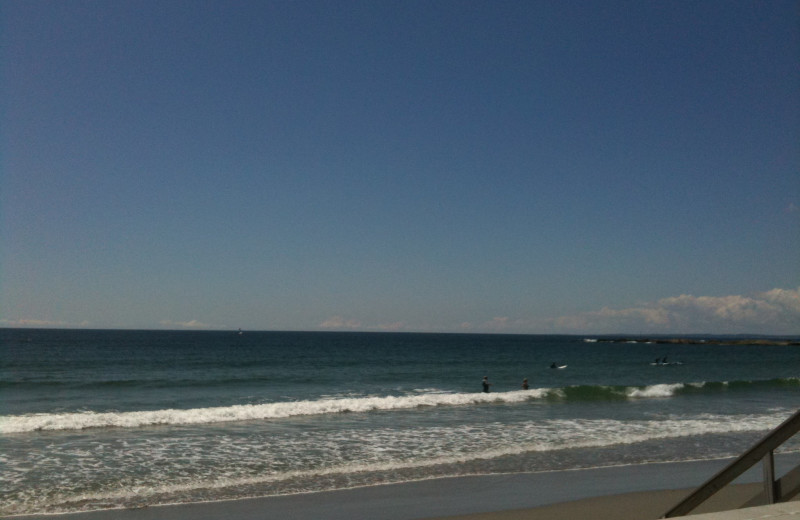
646, 490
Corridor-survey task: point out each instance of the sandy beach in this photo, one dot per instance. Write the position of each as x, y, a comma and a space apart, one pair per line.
643, 505
638, 492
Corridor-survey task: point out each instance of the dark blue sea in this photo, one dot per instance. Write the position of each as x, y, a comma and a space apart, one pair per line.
110, 419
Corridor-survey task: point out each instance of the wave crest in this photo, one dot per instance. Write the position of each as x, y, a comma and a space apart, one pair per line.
249, 412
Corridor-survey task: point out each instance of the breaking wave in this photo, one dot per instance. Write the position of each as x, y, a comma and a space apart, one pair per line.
134, 419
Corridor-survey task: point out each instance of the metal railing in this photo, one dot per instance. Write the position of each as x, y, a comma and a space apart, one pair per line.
774, 490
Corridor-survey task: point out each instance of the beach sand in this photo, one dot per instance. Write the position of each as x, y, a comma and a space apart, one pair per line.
637, 492
644, 505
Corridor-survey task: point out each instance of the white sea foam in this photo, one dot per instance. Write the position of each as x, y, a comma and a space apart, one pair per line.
217, 465
83, 420
327, 405
489, 441
663, 390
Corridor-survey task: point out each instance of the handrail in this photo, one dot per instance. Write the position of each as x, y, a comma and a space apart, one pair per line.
762, 451
786, 488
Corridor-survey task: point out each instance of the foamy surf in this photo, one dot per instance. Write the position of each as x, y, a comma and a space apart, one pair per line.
84, 420
281, 410
489, 441
665, 390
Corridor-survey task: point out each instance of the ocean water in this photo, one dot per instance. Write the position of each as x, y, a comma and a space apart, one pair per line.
109, 419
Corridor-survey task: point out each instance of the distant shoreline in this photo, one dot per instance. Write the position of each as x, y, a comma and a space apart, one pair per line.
697, 341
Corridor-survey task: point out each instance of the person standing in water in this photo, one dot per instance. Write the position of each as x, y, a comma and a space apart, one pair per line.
524, 384
486, 384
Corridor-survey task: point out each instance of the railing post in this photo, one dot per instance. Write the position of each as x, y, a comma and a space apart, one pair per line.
762, 451
769, 477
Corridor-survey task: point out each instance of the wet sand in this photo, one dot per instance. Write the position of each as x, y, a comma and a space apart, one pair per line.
644, 505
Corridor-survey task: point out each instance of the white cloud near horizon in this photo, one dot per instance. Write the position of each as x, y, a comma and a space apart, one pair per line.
773, 312
340, 323
35, 323
191, 324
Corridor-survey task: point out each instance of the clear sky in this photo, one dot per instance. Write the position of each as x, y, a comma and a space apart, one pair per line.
499, 166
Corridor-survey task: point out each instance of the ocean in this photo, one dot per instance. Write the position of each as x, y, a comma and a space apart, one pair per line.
116, 419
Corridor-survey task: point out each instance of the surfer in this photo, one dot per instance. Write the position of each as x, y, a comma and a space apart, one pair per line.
553, 365
486, 384
524, 384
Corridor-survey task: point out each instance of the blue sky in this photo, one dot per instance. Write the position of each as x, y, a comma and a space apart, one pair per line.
522, 167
